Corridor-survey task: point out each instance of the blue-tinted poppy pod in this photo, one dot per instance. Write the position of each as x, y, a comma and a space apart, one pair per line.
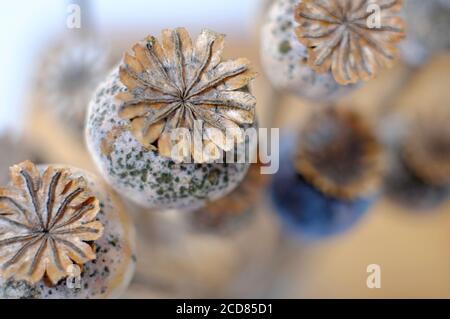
420, 176
329, 176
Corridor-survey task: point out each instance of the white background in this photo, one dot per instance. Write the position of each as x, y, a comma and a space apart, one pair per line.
27, 25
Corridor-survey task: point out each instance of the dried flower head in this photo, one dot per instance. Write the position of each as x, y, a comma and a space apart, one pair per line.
339, 154
177, 84
45, 222
426, 150
353, 38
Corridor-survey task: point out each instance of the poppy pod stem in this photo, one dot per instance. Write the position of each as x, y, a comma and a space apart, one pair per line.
387, 103
274, 107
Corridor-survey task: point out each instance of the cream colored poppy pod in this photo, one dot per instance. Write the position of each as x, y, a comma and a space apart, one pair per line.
62, 235
160, 125
321, 50
66, 78
428, 23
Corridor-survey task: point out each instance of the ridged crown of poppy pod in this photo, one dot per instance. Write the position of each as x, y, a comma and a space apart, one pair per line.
352, 38
47, 222
181, 84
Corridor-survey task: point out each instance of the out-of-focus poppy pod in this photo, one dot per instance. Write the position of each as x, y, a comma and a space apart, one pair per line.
332, 179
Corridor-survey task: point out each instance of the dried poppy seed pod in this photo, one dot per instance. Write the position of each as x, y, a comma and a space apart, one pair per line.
62, 235
426, 148
321, 50
405, 189
419, 178
66, 79
428, 23
329, 183
157, 90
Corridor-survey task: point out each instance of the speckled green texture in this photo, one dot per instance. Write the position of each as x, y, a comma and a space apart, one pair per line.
98, 277
144, 176
283, 58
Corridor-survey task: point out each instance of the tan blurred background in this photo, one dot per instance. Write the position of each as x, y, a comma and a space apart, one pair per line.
258, 260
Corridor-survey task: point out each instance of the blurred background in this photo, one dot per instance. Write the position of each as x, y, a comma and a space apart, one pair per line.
49, 71
32, 25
